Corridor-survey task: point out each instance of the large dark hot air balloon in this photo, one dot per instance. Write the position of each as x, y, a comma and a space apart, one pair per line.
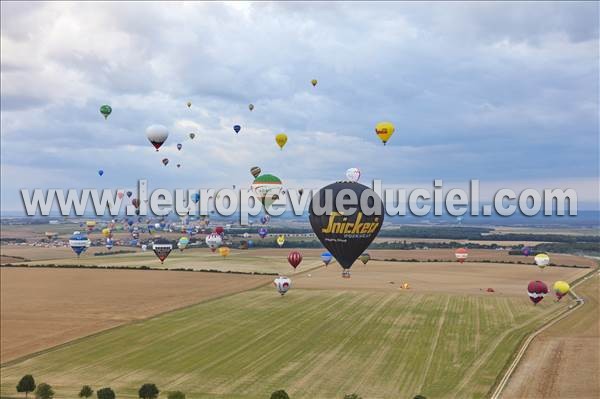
295, 258
346, 234
536, 290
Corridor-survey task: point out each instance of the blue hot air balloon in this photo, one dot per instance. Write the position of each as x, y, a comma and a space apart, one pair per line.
79, 243
250, 243
262, 232
100, 172
237, 128
326, 257
195, 197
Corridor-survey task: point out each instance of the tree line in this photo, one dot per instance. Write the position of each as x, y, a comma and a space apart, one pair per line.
147, 391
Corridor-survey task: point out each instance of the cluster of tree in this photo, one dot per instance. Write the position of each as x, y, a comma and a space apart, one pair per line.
114, 253
146, 391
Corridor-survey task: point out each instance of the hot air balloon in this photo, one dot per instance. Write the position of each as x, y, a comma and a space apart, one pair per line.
213, 241
157, 134
526, 251
364, 258
162, 248
301, 191
120, 194
189, 104
561, 288
537, 290
179, 146
255, 171
246, 235
129, 194
281, 139
314, 82
353, 174
237, 128
224, 251
165, 161
219, 230
542, 260
196, 197
50, 235
346, 235
144, 247
109, 244
90, 224
461, 254
79, 243
250, 243
135, 202
182, 243
192, 135
384, 131
250, 107
265, 188
100, 172
106, 232
282, 284
294, 258
105, 110
265, 219
262, 232
280, 240
326, 258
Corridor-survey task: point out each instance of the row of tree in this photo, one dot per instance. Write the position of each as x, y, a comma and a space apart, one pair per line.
146, 391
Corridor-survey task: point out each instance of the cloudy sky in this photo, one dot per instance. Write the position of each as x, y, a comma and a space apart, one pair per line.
505, 93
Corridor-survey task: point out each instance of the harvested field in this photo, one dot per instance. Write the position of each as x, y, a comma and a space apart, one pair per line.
564, 360
42, 308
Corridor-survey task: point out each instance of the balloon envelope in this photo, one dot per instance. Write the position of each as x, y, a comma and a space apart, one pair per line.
542, 260
255, 171
346, 234
561, 288
224, 251
353, 174
105, 110
100, 172
294, 258
384, 131
162, 248
157, 135
326, 257
281, 139
237, 128
536, 290
313, 82
282, 284
461, 254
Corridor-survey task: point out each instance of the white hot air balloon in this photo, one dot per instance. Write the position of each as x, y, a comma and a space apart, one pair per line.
157, 135
282, 284
353, 174
214, 240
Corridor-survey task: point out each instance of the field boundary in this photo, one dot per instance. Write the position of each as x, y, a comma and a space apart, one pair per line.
499, 388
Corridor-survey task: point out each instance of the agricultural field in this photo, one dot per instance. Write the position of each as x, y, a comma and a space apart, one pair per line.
443, 337
564, 360
43, 307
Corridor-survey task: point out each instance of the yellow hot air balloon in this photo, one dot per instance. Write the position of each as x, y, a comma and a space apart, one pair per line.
314, 82
106, 232
561, 288
384, 131
224, 251
280, 240
281, 139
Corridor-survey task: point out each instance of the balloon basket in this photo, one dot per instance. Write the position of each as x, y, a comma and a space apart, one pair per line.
346, 274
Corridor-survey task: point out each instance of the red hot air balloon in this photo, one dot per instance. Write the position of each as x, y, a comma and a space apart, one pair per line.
536, 290
461, 254
295, 258
135, 202
219, 230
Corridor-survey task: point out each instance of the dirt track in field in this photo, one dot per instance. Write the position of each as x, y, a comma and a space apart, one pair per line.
563, 361
41, 308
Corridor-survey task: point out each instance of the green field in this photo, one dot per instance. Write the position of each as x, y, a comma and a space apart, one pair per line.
313, 343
